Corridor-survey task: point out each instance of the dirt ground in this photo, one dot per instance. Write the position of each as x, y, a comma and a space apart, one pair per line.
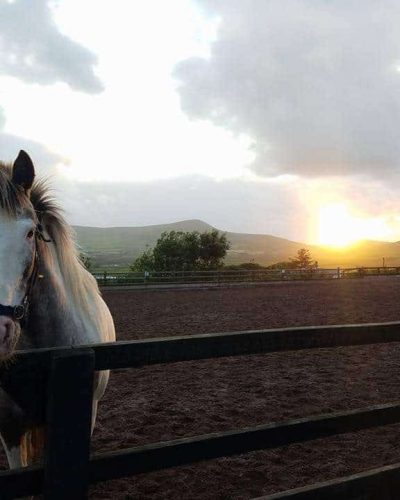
184, 399
160, 403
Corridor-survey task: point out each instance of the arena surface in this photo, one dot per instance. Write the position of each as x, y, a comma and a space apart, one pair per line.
185, 399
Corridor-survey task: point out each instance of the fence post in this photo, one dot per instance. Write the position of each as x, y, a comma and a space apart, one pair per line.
69, 412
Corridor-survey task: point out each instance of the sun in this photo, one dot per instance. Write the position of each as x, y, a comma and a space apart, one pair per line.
338, 228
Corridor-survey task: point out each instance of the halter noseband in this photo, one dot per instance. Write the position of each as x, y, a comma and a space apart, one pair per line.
14, 312
19, 312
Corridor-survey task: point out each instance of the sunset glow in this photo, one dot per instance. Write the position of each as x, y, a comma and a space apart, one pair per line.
337, 227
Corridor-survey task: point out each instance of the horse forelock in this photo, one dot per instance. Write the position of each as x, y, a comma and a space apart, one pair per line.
13, 200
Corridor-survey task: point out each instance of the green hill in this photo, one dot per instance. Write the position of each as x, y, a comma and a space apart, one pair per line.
118, 246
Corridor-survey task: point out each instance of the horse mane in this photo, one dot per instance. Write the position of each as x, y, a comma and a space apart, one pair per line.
80, 285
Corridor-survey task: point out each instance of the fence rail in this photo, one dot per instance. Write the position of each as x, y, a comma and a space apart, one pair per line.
60, 380
108, 278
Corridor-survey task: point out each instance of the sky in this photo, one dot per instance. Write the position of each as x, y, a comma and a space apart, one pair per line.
259, 116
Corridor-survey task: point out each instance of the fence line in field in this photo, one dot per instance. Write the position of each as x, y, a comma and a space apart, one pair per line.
110, 278
55, 386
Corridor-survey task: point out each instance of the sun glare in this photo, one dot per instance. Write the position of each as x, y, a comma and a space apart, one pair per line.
339, 228
336, 226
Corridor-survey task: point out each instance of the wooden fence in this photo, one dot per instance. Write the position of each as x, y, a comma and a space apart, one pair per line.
108, 278
55, 385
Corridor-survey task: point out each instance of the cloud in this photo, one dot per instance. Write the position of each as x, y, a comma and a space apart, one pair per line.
315, 84
45, 160
2, 119
33, 49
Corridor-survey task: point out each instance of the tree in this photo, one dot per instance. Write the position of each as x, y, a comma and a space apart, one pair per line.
248, 266
144, 262
184, 251
86, 261
176, 251
303, 260
283, 265
213, 248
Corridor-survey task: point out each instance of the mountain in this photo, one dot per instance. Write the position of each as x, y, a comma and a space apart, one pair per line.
121, 245
118, 246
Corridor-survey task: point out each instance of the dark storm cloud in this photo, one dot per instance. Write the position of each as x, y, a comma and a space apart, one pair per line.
315, 84
33, 49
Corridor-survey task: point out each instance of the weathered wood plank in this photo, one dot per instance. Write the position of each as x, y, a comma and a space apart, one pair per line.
69, 411
158, 456
374, 484
168, 350
21, 482
32, 366
137, 353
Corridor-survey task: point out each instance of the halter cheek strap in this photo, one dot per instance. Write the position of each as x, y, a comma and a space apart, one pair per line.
20, 311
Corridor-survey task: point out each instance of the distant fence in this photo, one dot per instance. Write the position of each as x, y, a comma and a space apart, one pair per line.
55, 386
110, 278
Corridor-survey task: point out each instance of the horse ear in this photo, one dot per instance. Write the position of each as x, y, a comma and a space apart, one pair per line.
23, 171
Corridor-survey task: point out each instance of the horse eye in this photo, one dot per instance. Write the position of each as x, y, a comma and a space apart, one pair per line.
30, 234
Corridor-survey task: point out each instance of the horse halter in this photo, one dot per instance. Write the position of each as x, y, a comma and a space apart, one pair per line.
20, 311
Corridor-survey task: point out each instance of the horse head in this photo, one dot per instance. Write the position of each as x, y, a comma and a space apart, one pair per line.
18, 253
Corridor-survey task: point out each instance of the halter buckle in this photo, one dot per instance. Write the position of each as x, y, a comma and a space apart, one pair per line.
19, 312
